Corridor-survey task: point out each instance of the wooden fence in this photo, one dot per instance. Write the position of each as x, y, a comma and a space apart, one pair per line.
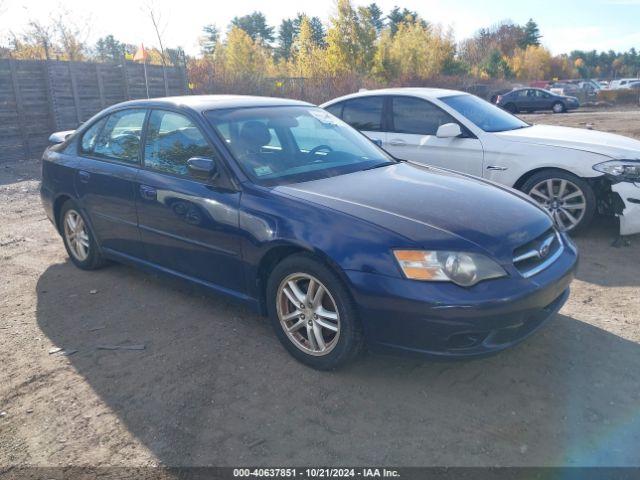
38, 97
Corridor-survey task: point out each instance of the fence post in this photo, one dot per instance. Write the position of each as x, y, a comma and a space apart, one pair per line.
185, 80
100, 85
125, 78
51, 99
166, 80
20, 108
74, 90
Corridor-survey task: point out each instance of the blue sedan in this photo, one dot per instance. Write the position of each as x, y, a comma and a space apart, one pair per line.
284, 207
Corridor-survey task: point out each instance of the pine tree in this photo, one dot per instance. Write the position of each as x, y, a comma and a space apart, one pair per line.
531, 34
209, 41
255, 25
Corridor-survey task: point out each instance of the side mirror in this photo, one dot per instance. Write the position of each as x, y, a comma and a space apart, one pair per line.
377, 141
60, 137
449, 130
202, 168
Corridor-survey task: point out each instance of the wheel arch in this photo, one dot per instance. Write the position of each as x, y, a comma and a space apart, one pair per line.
527, 175
57, 208
276, 254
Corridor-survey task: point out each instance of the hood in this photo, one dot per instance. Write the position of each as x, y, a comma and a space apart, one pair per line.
593, 141
433, 208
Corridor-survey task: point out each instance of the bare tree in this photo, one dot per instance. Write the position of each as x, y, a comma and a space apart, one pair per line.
71, 37
158, 26
42, 35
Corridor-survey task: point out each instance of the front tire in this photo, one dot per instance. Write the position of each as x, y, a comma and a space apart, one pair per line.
78, 239
313, 313
558, 107
511, 108
569, 199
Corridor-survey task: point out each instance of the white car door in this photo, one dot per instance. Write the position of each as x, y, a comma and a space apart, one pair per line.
412, 136
364, 114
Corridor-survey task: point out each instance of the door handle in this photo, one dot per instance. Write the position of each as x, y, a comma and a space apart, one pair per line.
396, 142
497, 168
84, 176
148, 193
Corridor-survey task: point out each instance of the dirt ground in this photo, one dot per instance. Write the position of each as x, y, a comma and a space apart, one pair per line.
214, 387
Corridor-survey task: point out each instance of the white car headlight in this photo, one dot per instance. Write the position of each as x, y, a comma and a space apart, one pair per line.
624, 169
462, 268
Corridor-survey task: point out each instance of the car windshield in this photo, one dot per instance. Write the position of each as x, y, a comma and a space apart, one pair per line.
288, 144
483, 114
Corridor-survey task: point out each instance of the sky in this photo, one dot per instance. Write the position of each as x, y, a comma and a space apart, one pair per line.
565, 24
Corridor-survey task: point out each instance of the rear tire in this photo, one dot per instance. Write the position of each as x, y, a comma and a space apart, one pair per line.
78, 238
569, 199
325, 335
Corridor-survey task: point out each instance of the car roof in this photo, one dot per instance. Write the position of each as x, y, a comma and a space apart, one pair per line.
212, 102
423, 92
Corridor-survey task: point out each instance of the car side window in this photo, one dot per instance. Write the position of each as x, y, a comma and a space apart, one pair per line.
364, 113
119, 139
335, 109
417, 116
88, 142
171, 140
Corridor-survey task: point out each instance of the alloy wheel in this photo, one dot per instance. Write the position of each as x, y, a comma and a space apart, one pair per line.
563, 199
76, 235
308, 314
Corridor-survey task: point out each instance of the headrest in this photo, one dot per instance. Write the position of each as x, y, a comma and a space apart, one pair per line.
255, 134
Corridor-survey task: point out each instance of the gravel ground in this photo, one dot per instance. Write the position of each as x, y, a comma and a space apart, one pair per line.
214, 387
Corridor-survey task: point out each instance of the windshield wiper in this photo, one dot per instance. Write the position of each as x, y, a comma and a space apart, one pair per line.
377, 166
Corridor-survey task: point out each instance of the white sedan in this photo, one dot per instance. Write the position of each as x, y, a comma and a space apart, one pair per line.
571, 172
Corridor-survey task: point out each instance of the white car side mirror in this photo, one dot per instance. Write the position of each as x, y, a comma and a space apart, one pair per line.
449, 130
60, 137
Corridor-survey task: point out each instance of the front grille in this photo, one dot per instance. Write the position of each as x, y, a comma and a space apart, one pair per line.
536, 255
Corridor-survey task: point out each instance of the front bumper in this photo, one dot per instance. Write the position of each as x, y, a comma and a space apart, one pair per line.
630, 217
444, 320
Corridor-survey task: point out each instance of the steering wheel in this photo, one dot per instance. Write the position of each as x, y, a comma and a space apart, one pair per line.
319, 148
125, 141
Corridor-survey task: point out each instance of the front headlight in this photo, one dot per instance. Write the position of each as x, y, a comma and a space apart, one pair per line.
462, 268
624, 169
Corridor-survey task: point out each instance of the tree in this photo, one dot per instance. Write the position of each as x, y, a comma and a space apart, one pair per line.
286, 36
405, 16
531, 35
209, 39
317, 30
255, 25
351, 40
307, 54
375, 14
384, 65
177, 57
532, 63
343, 47
415, 51
367, 35
496, 66
69, 36
108, 49
244, 57
158, 27
580, 66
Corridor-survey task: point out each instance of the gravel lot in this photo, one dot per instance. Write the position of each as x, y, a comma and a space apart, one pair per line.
214, 387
